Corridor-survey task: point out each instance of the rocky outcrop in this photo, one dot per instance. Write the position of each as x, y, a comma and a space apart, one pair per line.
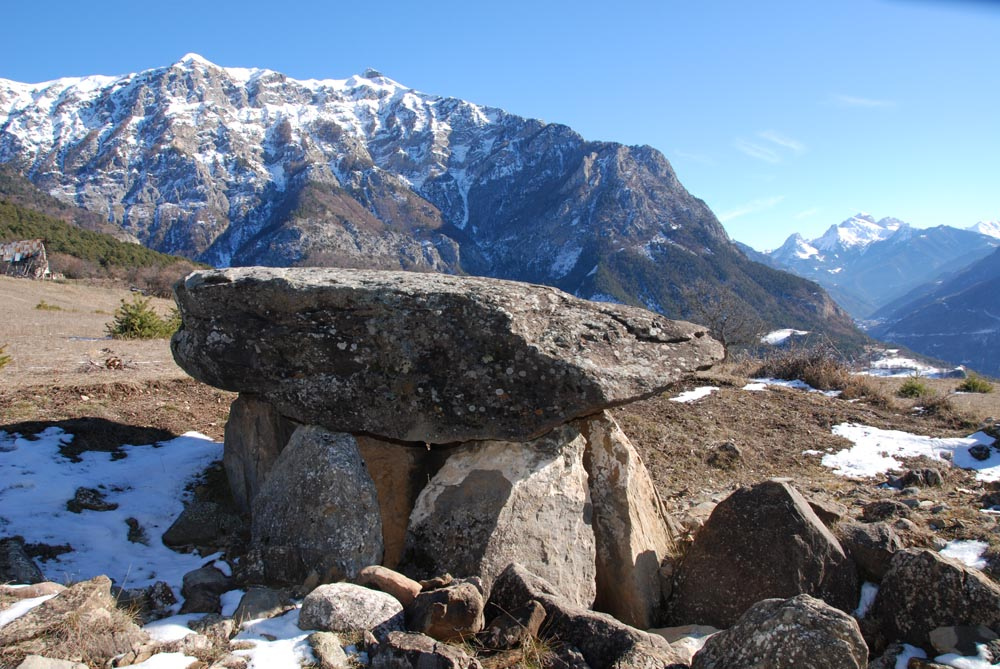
15, 564
497, 502
319, 508
871, 545
447, 614
361, 351
632, 532
797, 632
402, 650
760, 543
923, 591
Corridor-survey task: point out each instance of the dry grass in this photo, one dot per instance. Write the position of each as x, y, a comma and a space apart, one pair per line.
819, 366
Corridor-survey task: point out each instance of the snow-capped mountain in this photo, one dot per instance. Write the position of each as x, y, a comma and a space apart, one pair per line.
989, 228
237, 166
866, 263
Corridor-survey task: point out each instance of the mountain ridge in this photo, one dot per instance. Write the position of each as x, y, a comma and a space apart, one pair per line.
238, 166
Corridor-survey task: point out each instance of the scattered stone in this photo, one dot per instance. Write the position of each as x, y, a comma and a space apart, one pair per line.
406, 649
345, 607
328, 651
510, 629
887, 660
797, 632
90, 607
633, 533
262, 603
724, 456
872, 546
344, 348
255, 434
923, 591
827, 510
89, 499
150, 603
15, 565
320, 505
884, 509
400, 472
980, 452
382, 578
204, 523
39, 662
927, 477
436, 582
961, 639
494, 503
602, 641
724, 574
136, 533
990, 500
214, 626
448, 613
201, 589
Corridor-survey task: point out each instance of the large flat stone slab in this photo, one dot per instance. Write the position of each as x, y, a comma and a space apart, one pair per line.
425, 357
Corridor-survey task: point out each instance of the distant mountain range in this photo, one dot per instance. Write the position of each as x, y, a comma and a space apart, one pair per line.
866, 264
955, 319
235, 166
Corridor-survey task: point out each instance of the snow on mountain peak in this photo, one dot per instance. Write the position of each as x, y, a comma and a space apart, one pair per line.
195, 59
857, 232
989, 228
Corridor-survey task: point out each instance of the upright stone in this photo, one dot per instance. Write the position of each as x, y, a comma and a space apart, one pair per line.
255, 435
493, 503
630, 527
425, 357
760, 543
318, 509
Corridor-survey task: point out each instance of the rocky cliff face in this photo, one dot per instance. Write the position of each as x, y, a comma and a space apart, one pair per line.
239, 166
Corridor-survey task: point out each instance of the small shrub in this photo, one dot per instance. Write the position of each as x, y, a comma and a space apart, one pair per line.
914, 388
45, 306
820, 367
4, 359
863, 387
975, 384
138, 320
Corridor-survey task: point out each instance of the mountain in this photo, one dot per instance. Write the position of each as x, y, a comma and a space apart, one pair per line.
989, 228
866, 264
236, 166
957, 319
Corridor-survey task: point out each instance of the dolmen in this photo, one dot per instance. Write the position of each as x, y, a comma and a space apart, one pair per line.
438, 424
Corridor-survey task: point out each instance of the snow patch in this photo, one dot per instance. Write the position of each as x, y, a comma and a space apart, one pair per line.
868, 593
694, 395
969, 553
21, 607
778, 336
565, 261
876, 451
277, 642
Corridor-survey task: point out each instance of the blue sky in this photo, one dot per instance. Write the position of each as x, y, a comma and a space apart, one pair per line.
783, 116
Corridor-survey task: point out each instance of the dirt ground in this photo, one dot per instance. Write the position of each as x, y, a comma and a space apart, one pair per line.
52, 381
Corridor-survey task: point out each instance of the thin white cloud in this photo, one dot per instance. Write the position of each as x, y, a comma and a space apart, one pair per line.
752, 207
784, 141
757, 151
854, 101
806, 213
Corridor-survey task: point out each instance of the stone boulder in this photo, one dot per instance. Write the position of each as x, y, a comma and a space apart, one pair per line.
255, 435
872, 546
382, 578
760, 543
923, 591
403, 650
345, 607
632, 532
318, 509
362, 351
447, 614
15, 564
602, 641
494, 503
801, 632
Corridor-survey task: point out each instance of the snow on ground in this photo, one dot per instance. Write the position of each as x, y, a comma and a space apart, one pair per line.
891, 364
277, 642
20, 607
875, 452
147, 484
694, 395
868, 592
757, 385
166, 661
969, 553
776, 337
